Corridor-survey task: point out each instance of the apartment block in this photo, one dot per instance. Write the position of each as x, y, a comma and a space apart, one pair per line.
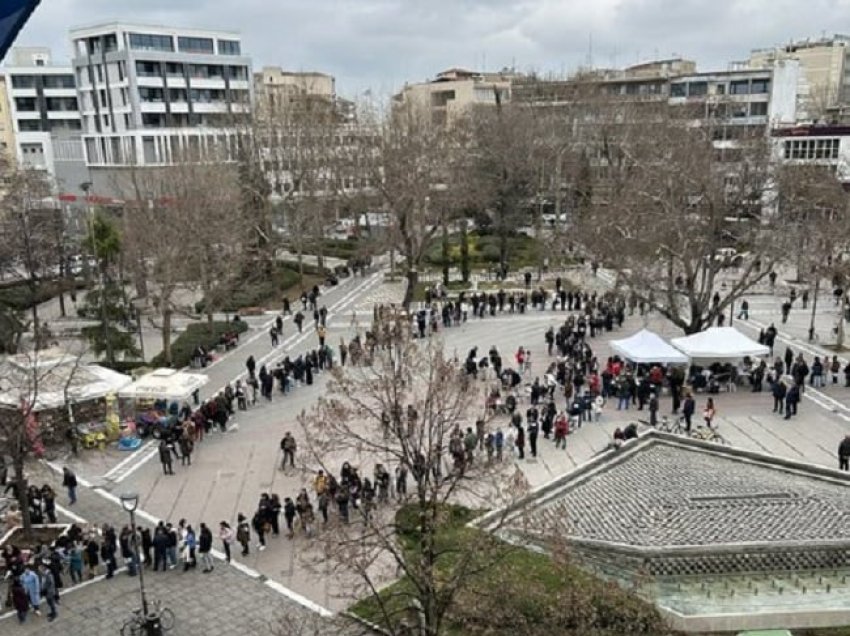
42, 105
825, 72
453, 92
152, 95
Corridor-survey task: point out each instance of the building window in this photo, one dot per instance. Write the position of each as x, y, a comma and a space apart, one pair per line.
720, 89
23, 81
174, 69
26, 104
678, 90
99, 70
121, 71
147, 69
760, 86
809, 149
758, 109
62, 104
29, 125
149, 42
195, 45
59, 81
150, 94
697, 89
739, 87
229, 47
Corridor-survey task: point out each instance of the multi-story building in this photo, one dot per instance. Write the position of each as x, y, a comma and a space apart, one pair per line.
827, 146
289, 93
453, 92
7, 126
42, 106
151, 95
738, 100
825, 72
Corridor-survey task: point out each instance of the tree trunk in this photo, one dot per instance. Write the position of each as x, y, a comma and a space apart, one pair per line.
166, 336
503, 246
412, 280
464, 252
814, 308
445, 254
21, 481
36, 323
299, 252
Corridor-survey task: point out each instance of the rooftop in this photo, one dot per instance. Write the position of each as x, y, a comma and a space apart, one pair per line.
671, 493
666, 494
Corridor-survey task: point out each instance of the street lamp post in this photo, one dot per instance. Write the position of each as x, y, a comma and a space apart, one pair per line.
130, 501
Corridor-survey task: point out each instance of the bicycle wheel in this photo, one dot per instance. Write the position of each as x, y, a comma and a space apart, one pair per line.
166, 619
131, 628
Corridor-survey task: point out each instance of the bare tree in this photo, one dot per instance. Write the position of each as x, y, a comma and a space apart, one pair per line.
815, 207
27, 378
406, 163
508, 150
680, 214
31, 229
407, 406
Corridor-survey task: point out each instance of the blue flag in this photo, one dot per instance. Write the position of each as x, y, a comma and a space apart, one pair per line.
13, 16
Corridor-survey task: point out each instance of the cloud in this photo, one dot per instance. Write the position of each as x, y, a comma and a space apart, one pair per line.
380, 44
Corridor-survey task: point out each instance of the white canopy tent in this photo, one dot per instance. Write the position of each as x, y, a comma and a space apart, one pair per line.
646, 346
45, 377
719, 344
166, 384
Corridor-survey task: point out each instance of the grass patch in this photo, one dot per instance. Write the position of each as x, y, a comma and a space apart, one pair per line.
522, 251
521, 593
205, 334
267, 291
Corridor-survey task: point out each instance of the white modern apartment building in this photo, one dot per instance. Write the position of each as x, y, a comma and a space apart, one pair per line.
42, 106
150, 95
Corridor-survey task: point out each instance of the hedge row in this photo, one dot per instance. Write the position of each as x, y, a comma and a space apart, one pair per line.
205, 334
19, 297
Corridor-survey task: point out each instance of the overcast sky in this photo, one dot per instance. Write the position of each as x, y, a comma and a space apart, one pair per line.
380, 44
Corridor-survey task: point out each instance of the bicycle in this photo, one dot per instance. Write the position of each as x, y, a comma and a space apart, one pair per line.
676, 427
708, 434
135, 626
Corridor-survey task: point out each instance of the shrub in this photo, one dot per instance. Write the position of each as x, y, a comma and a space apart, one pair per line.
257, 292
18, 296
205, 334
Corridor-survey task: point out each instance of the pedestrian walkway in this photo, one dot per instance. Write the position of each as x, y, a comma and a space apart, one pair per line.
232, 598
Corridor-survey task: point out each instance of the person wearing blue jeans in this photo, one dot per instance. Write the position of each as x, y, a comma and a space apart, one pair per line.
69, 480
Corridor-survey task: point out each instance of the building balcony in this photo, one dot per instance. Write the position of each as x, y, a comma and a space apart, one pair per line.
207, 82
152, 107
150, 81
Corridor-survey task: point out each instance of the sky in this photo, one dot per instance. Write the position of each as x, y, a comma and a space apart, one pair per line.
378, 45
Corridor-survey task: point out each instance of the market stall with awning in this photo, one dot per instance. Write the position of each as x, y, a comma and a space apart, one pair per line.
646, 347
164, 384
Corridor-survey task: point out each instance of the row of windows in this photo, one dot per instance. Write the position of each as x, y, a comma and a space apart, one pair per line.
198, 96
150, 42
198, 71
812, 148
737, 87
47, 81
185, 44
37, 125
